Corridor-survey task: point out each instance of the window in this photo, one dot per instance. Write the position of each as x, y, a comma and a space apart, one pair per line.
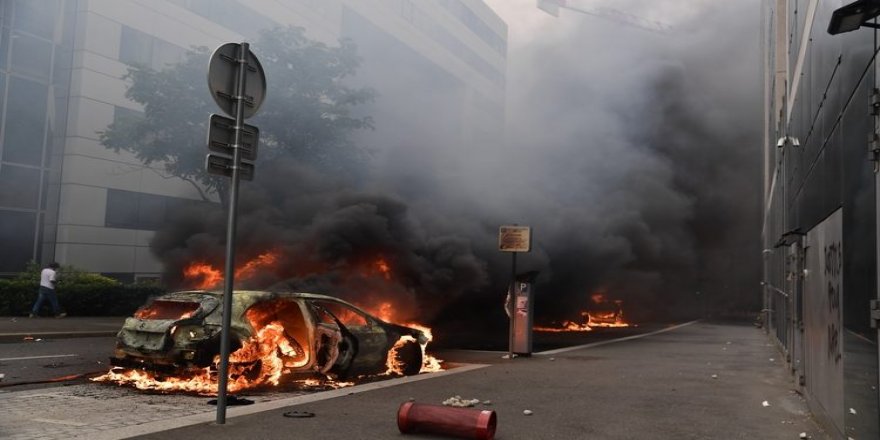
19, 186
4, 46
31, 56
143, 49
346, 315
122, 209
26, 126
136, 47
17, 236
136, 210
36, 17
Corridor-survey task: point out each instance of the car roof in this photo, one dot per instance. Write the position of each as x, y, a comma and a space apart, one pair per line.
257, 295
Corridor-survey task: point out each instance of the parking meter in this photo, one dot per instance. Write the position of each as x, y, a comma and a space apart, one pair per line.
522, 312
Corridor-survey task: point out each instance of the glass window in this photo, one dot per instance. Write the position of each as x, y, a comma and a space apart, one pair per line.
345, 314
36, 17
122, 209
151, 211
31, 56
2, 93
4, 46
19, 186
17, 236
165, 53
126, 114
25, 122
136, 47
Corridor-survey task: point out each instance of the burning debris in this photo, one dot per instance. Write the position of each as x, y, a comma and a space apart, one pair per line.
602, 313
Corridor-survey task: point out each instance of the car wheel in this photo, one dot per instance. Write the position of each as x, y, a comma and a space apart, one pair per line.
410, 358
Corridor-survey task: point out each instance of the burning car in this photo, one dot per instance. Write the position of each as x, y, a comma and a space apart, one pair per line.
272, 334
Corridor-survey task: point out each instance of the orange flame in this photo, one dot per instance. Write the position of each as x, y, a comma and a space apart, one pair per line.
383, 268
592, 318
206, 276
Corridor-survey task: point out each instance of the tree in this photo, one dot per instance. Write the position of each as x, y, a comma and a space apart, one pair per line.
307, 114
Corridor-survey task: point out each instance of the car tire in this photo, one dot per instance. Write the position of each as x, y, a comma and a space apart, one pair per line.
410, 357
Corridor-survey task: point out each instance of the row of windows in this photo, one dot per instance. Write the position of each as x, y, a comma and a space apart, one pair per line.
143, 49
137, 210
439, 34
230, 14
476, 25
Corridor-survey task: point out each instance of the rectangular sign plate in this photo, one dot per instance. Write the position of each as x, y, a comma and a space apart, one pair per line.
222, 165
514, 239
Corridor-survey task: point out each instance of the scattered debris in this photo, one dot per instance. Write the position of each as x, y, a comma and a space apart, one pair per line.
509, 356
852, 411
728, 342
765, 403
411, 399
487, 402
28, 338
2, 376
299, 414
233, 400
459, 402
772, 359
552, 359
714, 376
527, 412
804, 435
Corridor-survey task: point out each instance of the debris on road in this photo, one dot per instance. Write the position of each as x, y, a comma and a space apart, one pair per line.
765, 403
714, 376
852, 411
459, 402
527, 412
804, 435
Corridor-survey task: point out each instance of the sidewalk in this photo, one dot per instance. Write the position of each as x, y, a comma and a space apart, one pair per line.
697, 381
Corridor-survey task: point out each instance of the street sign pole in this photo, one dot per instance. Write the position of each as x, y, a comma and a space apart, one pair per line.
229, 271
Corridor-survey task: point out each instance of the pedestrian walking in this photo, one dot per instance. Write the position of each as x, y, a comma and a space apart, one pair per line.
48, 278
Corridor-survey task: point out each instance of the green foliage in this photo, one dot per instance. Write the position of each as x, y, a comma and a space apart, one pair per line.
306, 115
80, 293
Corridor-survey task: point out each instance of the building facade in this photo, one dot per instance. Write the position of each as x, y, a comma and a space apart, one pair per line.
65, 197
820, 213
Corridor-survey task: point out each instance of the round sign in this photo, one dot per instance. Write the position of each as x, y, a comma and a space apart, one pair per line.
222, 74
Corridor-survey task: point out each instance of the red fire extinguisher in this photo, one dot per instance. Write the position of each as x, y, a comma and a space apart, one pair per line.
466, 423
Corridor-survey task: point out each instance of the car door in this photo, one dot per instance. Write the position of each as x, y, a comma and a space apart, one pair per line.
372, 341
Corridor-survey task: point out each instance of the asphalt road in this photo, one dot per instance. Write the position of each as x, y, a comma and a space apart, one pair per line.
39, 362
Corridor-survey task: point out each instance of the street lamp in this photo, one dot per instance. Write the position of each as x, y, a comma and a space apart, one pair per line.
853, 16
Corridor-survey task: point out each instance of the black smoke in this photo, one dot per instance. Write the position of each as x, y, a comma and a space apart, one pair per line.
635, 157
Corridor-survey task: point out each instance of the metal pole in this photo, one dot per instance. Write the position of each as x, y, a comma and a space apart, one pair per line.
229, 271
512, 307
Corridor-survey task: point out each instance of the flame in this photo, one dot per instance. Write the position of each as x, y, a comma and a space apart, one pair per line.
265, 358
593, 318
430, 364
385, 311
206, 276
383, 268
567, 326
